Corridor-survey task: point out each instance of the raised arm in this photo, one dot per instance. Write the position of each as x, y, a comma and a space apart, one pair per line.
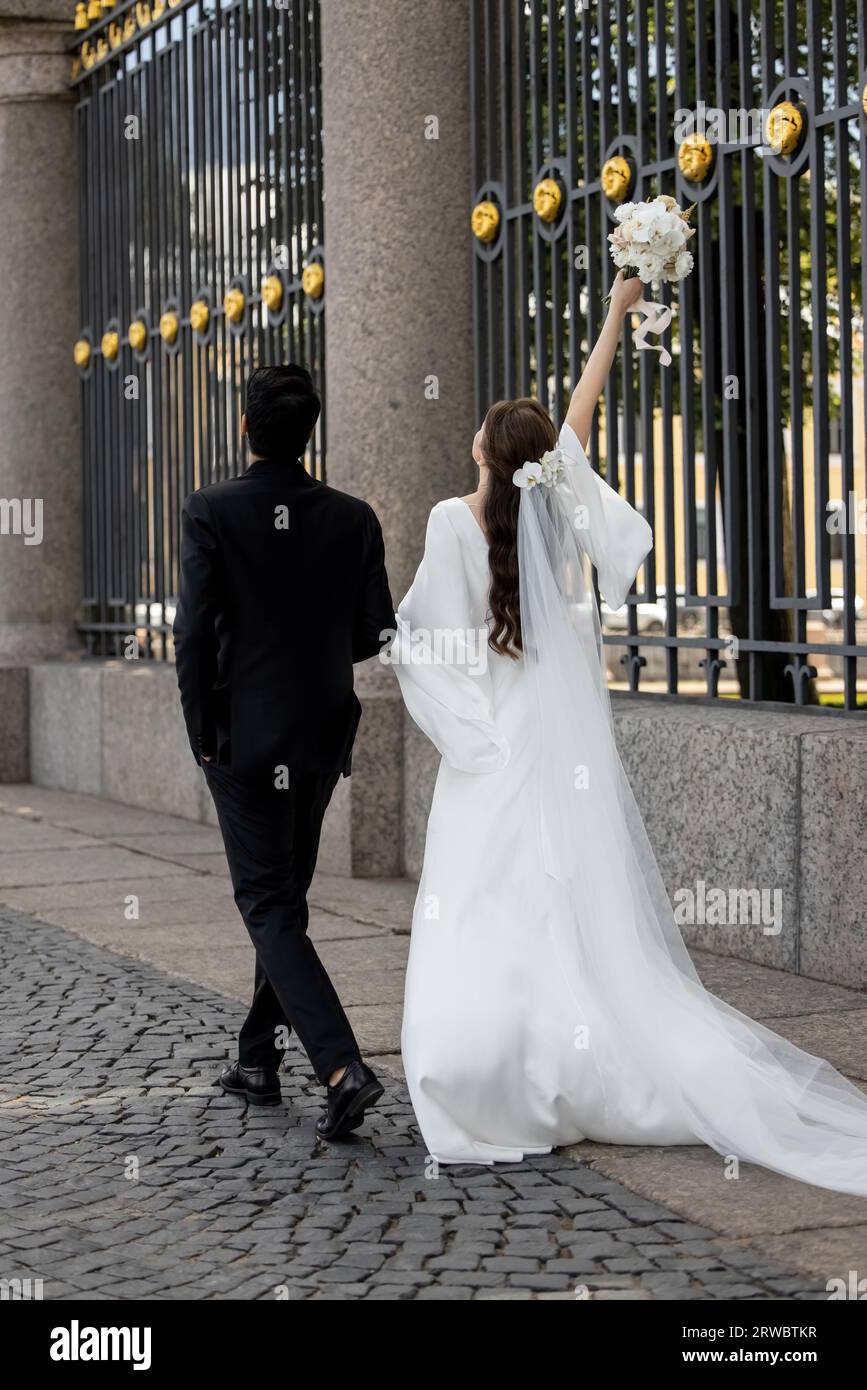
585, 397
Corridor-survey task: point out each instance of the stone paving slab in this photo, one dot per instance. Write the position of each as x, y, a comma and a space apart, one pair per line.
840, 1038
368, 987
211, 863
182, 887
768, 994
24, 868
838, 1249
158, 920
383, 902
745, 1207
124, 1173
93, 815
22, 834
195, 839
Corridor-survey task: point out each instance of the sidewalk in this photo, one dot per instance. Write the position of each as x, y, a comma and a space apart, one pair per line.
112, 1061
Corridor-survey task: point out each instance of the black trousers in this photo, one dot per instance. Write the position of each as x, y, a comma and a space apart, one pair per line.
271, 837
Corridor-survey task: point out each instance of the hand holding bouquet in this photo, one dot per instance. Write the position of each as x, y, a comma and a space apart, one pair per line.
649, 242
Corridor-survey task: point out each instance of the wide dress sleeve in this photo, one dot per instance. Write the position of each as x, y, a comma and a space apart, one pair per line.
615, 536
441, 658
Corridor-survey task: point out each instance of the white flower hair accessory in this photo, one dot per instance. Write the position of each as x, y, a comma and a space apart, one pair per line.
549, 470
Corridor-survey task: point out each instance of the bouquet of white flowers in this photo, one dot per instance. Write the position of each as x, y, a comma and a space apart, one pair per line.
650, 241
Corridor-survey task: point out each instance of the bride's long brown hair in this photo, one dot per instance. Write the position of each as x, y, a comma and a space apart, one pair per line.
514, 433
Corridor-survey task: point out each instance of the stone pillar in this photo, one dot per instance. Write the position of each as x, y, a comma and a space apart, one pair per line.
399, 356
40, 583
398, 260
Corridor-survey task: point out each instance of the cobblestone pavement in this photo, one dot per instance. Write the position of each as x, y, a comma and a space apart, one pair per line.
124, 1173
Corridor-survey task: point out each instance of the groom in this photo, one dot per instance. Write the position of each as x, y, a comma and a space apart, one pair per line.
282, 587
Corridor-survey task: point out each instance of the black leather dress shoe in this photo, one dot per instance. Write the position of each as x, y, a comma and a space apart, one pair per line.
258, 1085
348, 1100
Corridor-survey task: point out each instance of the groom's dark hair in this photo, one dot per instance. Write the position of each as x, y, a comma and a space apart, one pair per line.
282, 408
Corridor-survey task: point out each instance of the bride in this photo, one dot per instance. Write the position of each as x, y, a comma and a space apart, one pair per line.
549, 995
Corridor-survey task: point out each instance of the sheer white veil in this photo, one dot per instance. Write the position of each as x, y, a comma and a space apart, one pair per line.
736, 1085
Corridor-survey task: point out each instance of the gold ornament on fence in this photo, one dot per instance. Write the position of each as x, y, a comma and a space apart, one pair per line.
108, 4
94, 11
74, 69
547, 197
615, 178
783, 128
272, 292
129, 26
485, 220
143, 13
81, 353
233, 305
695, 157
138, 335
80, 15
88, 55
115, 34
864, 100
200, 316
169, 327
313, 280
110, 345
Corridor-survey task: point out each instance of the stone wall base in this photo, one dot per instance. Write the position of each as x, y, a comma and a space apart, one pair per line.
114, 729
733, 799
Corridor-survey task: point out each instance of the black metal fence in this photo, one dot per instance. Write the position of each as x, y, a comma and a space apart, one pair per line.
201, 257
748, 455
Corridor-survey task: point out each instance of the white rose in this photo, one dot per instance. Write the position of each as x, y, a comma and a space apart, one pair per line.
649, 268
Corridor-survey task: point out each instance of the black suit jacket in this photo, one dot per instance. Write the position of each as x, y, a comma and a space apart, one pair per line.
282, 587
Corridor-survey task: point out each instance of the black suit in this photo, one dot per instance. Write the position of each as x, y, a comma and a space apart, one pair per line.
282, 587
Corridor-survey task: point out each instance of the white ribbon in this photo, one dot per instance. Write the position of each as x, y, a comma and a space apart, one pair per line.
657, 320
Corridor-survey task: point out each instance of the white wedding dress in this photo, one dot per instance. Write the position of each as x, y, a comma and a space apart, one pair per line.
549, 995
